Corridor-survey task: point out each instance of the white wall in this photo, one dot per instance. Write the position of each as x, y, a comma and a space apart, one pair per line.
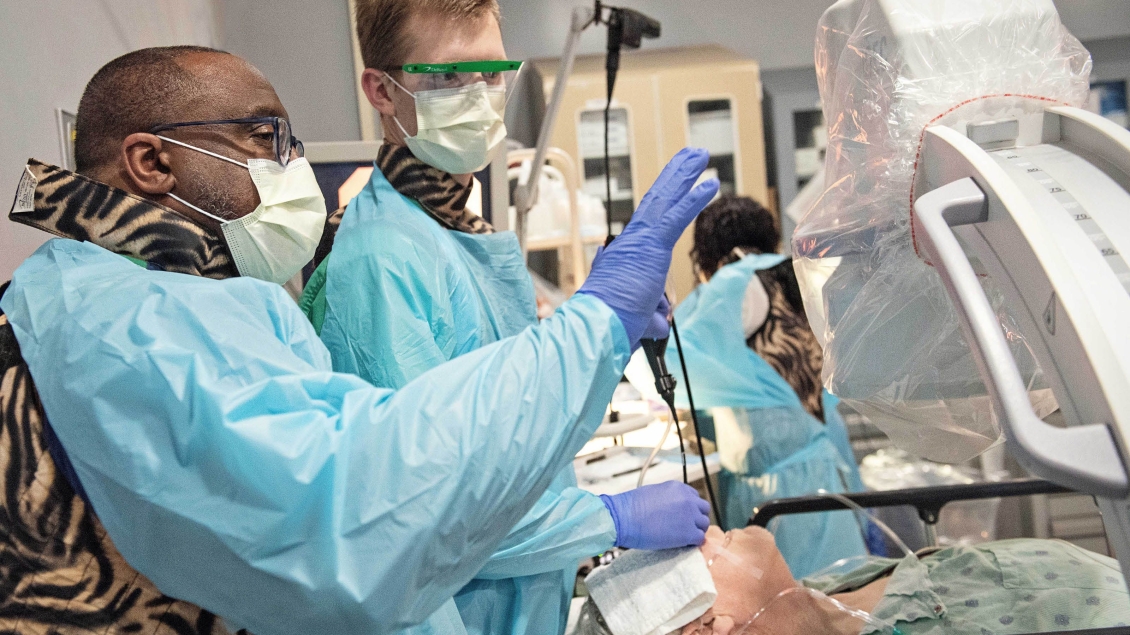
1095, 19
776, 33
304, 49
48, 51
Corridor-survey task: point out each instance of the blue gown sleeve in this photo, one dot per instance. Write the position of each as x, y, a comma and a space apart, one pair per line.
402, 325
555, 535
234, 469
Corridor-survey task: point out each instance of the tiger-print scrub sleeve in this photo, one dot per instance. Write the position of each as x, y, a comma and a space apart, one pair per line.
441, 196
60, 573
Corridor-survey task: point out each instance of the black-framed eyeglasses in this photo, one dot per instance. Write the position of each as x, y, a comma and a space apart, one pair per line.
284, 140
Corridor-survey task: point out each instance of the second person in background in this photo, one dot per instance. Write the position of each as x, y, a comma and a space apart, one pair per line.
755, 365
415, 279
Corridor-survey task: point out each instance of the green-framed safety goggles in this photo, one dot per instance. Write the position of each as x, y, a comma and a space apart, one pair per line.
460, 74
500, 66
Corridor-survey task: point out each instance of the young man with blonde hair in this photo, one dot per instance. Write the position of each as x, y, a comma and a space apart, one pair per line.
416, 279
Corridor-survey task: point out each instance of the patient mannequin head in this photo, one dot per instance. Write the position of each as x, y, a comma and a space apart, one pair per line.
748, 572
753, 581
757, 595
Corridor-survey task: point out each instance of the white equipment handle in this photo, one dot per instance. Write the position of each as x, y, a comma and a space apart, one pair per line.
1084, 458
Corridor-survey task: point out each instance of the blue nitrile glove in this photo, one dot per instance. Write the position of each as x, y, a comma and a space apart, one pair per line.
663, 516
659, 326
630, 274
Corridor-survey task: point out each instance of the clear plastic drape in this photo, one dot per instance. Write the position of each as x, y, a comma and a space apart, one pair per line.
888, 69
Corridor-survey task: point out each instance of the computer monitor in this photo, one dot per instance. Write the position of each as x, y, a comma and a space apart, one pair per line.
342, 168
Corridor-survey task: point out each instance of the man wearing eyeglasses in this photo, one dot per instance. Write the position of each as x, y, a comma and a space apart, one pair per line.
416, 279
175, 445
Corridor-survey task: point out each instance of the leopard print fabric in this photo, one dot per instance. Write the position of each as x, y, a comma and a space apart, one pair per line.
73, 206
786, 340
441, 196
60, 573
444, 198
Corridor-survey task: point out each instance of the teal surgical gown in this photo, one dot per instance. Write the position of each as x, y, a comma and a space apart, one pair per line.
770, 446
235, 469
403, 295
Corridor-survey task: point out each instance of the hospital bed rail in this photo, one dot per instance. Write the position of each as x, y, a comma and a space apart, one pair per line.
928, 501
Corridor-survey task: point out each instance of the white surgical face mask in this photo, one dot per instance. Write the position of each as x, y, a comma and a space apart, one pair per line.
458, 130
276, 240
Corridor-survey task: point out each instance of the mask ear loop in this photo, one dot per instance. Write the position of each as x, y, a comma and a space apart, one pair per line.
209, 153
411, 94
223, 221
401, 86
202, 150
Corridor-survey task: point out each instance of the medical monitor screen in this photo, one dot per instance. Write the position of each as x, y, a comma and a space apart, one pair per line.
340, 182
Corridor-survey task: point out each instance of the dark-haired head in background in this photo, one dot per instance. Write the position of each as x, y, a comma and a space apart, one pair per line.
733, 222
726, 231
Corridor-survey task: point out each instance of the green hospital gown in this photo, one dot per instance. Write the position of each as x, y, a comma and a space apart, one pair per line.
1000, 588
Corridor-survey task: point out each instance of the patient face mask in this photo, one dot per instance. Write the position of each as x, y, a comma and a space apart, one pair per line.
276, 240
458, 130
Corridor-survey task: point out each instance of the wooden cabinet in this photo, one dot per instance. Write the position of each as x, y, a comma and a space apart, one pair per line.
664, 100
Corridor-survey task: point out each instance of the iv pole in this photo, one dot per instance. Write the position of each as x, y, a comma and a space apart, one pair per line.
526, 195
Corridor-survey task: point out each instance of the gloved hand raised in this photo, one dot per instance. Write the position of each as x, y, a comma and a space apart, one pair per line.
663, 516
630, 274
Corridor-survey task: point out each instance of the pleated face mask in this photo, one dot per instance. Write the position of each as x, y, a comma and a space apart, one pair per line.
458, 129
280, 236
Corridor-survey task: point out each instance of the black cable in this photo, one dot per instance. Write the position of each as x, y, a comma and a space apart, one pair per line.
597, 14
612, 69
694, 420
682, 448
608, 160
